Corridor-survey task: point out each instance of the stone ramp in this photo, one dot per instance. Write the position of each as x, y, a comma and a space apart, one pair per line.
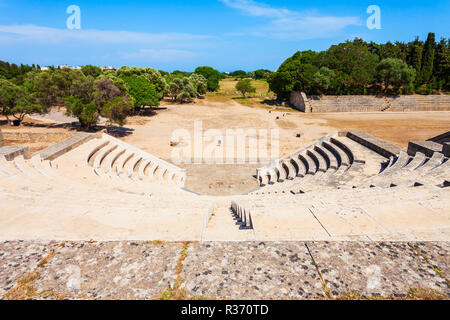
222, 270
381, 147
62, 147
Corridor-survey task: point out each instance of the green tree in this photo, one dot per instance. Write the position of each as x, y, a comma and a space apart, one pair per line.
323, 79
90, 70
50, 87
296, 73
428, 58
181, 89
152, 75
442, 65
245, 86
89, 99
260, 74
87, 113
282, 83
199, 82
15, 101
354, 59
396, 73
239, 74
211, 75
414, 57
117, 109
142, 90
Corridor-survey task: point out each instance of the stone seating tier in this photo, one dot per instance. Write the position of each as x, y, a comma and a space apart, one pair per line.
425, 147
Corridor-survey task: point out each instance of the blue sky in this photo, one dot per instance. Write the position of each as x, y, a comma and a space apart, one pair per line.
180, 34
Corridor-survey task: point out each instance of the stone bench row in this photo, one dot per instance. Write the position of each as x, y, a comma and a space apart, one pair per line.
110, 158
323, 163
36, 179
412, 171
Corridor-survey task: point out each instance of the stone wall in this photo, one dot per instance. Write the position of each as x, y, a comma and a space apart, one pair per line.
300, 101
366, 103
15, 137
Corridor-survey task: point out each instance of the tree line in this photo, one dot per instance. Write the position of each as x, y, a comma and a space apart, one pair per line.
89, 93
359, 67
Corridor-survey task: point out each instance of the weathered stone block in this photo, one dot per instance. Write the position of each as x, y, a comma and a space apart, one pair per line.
446, 149
382, 147
10, 152
425, 147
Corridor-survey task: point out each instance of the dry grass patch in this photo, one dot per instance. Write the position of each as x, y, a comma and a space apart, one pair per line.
25, 289
178, 293
413, 294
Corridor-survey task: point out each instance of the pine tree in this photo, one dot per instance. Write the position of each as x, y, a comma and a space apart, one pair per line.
428, 58
441, 69
414, 59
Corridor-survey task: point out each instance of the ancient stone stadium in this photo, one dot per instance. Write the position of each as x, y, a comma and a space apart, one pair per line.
244, 158
349, 213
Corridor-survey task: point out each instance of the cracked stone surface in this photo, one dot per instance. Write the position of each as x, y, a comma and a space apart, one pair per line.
18, 258
437, 255
226, 270
374, 269
251, 270
110, 270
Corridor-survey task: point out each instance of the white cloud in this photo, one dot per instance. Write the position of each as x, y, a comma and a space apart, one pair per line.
256, 9
293, 25
160, 55
46, 35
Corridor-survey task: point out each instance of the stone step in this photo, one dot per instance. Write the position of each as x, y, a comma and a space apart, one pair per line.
222, 226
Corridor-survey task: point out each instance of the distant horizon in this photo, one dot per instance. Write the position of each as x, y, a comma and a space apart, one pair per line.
193, 70
227, 35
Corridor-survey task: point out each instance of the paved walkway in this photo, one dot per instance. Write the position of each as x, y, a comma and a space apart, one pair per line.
223, 270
